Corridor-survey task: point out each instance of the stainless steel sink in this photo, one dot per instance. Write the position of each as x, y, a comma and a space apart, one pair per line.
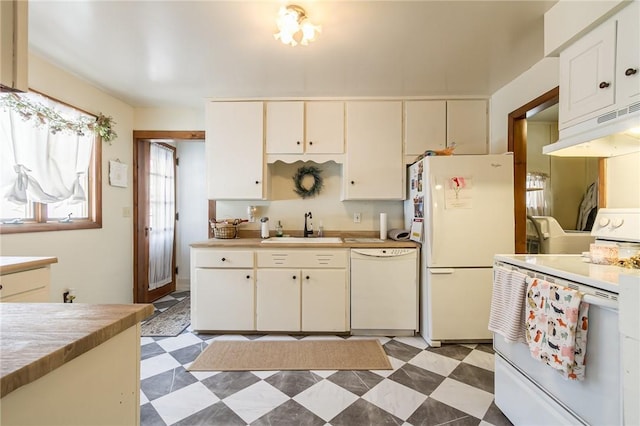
302, 240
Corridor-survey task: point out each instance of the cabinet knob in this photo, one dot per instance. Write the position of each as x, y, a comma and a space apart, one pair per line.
630, 71
353, 182
307, 277
294, 277
257, 182
223, 259
0, 286
297, 142
604, 85
248, 276
310, 142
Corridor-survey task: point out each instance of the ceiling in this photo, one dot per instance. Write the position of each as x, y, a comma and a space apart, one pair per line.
177, 53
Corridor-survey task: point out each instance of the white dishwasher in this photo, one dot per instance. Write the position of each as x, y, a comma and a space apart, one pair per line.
384, 291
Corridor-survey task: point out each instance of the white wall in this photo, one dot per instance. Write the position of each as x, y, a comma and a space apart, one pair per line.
537, 80
623, 176
97, 263
286, 206
169, 118
192, 204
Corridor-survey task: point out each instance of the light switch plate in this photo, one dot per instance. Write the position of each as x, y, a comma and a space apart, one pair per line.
357, 217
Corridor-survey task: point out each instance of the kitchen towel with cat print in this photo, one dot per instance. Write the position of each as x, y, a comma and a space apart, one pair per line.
556, 327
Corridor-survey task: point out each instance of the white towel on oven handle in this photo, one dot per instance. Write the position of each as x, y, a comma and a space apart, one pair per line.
506, 317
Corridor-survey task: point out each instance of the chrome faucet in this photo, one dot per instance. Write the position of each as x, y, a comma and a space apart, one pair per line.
307, 230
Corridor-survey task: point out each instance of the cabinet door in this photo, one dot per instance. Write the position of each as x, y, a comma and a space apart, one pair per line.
324, 300
467, 126
234, 150
587, 75
223, 299
424, 126
278, 300
285, 127
324, 127
628, 56
374, 167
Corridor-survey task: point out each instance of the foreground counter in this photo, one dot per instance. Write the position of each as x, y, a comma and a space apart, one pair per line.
70, 364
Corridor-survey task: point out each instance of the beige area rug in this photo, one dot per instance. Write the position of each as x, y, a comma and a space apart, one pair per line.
225, 355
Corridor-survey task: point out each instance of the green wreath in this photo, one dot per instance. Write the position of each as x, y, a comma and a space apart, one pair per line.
298, 179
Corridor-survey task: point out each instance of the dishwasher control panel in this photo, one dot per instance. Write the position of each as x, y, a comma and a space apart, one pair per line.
384, 252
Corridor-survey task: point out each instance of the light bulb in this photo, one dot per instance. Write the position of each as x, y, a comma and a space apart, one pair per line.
309, 30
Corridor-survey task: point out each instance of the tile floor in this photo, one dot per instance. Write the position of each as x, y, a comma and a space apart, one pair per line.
450, 385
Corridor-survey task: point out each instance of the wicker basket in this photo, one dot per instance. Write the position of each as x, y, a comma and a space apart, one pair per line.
226, 229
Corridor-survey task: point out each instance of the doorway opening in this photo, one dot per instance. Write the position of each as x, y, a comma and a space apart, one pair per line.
533, 172
154, 260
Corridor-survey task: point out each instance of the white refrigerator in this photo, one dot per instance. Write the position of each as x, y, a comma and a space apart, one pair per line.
460, 208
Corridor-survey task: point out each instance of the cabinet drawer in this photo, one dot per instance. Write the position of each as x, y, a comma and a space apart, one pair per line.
205, 258
302, 259
35, 280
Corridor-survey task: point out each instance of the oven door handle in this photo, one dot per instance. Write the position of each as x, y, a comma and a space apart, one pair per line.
599, 301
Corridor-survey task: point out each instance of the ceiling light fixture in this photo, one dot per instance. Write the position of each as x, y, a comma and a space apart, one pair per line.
294, 26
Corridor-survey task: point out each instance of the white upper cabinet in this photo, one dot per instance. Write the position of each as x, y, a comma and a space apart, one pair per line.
235, 151
435, 125
374, 167
467, 126
296, 127
325, 127
587, 70
285, 127
628, 55
425, 126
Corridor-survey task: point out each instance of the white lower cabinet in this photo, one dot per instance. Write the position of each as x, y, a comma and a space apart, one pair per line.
278, 300
302, 290
324, 300
222, 290
288, 290
26, 286
223, 299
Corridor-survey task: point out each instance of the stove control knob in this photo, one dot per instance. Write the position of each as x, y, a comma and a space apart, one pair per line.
604, 221
617, 222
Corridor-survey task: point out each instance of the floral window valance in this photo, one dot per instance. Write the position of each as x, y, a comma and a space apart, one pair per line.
45, 150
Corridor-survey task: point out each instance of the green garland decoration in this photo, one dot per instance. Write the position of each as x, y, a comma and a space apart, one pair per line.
42, 115
317, 181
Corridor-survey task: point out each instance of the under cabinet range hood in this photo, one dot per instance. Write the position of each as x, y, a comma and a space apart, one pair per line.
615, 133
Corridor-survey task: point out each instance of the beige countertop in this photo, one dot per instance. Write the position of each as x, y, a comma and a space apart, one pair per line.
347, 243
11, 264
37, 338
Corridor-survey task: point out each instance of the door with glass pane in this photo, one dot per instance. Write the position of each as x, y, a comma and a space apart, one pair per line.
155, 210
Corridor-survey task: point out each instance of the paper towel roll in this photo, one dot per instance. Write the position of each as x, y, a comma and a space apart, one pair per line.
383, 226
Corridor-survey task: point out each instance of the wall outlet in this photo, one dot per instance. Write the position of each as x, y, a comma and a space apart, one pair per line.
357, 217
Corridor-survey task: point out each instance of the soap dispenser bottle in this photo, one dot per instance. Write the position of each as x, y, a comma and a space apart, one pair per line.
264, 227
279, 229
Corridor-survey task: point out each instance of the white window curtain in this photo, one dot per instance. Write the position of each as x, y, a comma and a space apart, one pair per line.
538, 195
40, 166
162, 212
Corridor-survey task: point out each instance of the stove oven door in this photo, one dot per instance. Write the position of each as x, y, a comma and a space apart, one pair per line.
530, 392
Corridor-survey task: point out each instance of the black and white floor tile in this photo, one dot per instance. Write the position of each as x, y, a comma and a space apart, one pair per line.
450, 385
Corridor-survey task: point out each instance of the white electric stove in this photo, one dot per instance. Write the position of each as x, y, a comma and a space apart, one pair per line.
531, 393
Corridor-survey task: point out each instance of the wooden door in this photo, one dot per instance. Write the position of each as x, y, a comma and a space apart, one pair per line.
146, 208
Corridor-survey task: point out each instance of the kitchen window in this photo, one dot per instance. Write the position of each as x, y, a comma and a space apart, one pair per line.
49, 179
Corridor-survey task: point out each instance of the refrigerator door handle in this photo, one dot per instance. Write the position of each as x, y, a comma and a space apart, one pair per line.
442, 270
